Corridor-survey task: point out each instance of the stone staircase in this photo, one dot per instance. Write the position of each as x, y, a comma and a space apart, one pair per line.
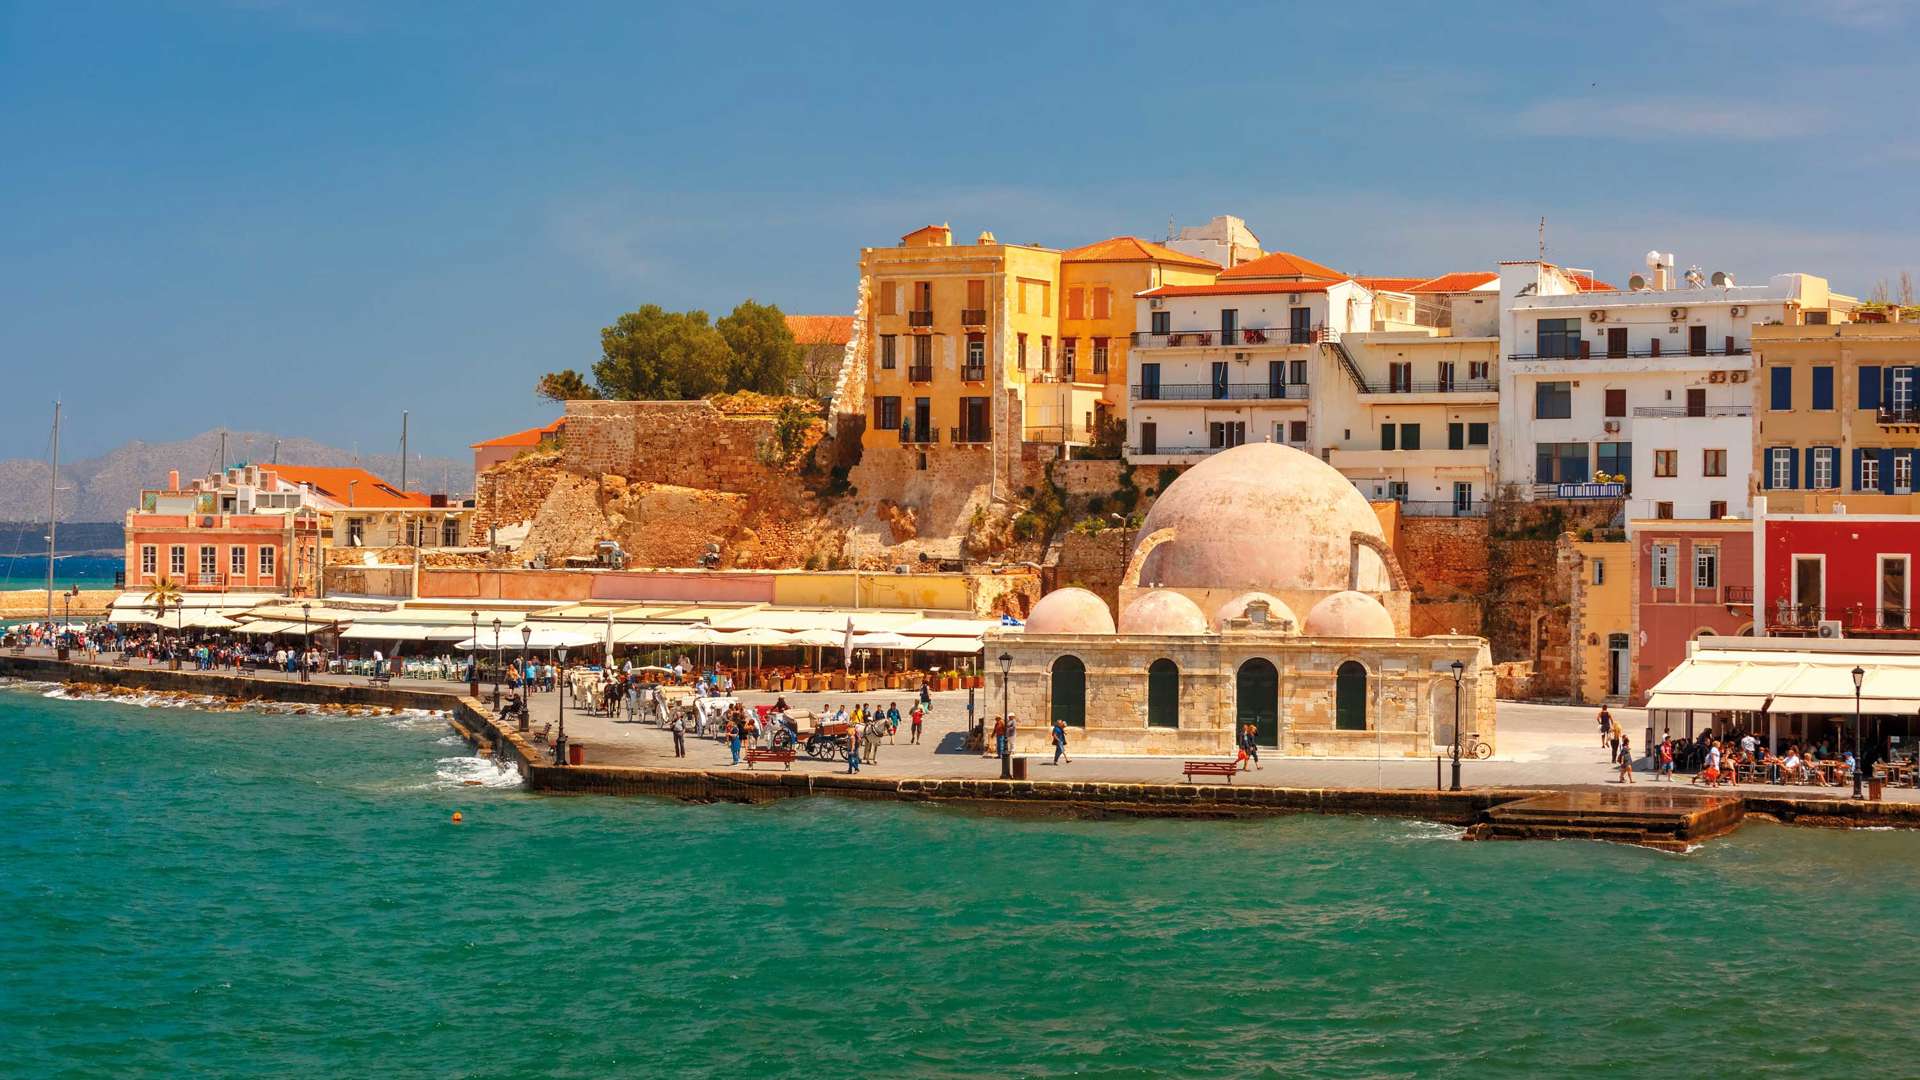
1660, 819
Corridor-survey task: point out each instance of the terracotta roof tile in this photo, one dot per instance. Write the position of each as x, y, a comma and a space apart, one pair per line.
1281, 264
1390, 284
821, 329
1458, 281
1134, 249
350, 486
1244, 288
529, 437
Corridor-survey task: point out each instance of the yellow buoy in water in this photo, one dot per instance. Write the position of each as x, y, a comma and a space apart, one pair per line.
456, 817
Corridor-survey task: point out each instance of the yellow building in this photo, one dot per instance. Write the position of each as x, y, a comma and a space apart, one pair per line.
1602, 623
1098, 283
1838, 417
956, 333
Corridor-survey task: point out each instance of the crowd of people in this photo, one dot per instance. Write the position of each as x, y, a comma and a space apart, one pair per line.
1739, 755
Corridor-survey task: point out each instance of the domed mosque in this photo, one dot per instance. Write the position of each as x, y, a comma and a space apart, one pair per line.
1209, 637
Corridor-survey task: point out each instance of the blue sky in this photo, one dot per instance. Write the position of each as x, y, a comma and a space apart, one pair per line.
308, 215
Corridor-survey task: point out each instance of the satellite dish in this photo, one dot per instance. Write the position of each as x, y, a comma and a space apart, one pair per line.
1653, 260
1637, 282
1721, 277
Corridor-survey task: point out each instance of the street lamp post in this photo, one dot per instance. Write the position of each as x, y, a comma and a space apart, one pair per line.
306, 640
526, 642
1458, 667
1006, 715
1859, 675
473, 658
560, 739
496, 667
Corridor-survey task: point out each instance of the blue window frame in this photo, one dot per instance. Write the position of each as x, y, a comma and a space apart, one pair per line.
1823, 387
1781, 399
1870, 387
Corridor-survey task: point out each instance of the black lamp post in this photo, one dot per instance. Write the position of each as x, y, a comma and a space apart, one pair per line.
306, 639
526, 642
560, 739
1006, 716
473, 658
496, 667
1859, 676
1458, 667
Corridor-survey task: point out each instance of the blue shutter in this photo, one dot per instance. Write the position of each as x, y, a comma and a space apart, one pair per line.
1766, 469
1856, 469
1886, 471
1793, 470
1823, 387
1870, 387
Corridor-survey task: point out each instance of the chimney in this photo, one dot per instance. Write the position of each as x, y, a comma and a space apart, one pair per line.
173, 479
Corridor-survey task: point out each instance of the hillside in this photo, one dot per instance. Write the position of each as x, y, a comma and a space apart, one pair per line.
103, 488
76, 538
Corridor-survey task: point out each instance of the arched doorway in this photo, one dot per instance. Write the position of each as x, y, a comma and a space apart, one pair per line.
1257, 701
1070, 691
1163, 694
1350, 697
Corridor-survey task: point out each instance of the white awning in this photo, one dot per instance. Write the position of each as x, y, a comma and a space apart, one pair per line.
753, 636
542, 638
951, 645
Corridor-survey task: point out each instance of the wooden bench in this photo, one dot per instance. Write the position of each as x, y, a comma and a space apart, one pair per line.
784, 756
124, 660
1210, 768
540, 736
379, 680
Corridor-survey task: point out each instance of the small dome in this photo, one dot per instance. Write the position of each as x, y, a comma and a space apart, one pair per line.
1070, 611
1162, 611
1279, 615
1350, 614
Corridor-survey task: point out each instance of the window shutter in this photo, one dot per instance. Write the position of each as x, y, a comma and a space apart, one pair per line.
1856, 468
1870, 387
1793, 469
1886, 471
1766, 471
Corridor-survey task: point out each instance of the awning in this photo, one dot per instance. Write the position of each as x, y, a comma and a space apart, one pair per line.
542, 638
951, 645
754, 636
883, 640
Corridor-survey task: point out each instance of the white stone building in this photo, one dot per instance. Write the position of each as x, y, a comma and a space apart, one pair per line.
1650, 386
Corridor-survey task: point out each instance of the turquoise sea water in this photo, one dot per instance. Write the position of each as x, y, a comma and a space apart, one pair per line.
86, 571
238, 894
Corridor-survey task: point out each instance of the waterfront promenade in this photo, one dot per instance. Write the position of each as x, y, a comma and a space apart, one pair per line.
1540, 745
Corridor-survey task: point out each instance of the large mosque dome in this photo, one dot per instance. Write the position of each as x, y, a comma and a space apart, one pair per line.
1262, 516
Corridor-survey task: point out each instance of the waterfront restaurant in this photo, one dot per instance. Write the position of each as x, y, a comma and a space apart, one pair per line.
1792, 690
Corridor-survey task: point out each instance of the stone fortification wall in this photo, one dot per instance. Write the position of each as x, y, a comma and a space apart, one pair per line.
1515, 591
685, 443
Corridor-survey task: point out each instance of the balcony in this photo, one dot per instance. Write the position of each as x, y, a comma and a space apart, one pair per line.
1260, 391
973, 316
1652, 352
1709, 411
910, 437
1246, 335
1737, 594
963, 437
1174, 451
1582, 490
207, 581
1438, 386
920, 373
973, 373
920, 318
1443, 507
1897, 415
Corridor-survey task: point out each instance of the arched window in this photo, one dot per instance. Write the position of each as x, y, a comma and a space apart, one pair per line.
1350, 697
1070, 691
1257, 701
1163, 694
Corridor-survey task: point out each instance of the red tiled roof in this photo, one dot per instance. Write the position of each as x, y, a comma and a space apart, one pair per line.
1390, 284
1281, 264
821, 329
1244, 288
349, 485
1586, 283
1458, 281
1134, 249
530, 437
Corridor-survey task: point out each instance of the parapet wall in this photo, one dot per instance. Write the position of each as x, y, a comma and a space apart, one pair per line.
687, 443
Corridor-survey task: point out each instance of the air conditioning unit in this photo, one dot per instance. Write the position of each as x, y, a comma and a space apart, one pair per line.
1597, 315
1242, 357
1156, 303
1676, 314
1829, 628
1737, 376
1716, 376
1736, 311
1613, 427
1293, 298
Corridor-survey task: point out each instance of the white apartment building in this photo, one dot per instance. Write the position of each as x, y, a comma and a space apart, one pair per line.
1233, 362
1410, 416
1650, 387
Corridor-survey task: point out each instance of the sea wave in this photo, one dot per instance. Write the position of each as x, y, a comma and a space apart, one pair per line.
455, 772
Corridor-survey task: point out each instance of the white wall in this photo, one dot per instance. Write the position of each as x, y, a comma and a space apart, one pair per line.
1690, 490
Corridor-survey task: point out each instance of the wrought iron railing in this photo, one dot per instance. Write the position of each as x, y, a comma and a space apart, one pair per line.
1260, 391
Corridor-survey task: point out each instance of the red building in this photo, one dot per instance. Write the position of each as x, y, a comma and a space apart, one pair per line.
1691, 579
1837, 575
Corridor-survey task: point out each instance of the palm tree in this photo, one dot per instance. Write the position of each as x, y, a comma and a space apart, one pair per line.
165, 594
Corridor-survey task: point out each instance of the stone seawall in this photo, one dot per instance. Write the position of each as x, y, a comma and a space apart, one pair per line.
238, 687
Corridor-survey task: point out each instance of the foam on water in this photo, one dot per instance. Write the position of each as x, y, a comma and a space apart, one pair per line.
472, 771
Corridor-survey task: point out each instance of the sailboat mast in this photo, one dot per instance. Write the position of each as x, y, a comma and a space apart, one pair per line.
53, 508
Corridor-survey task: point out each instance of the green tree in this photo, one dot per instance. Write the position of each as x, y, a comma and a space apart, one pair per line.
658, 355
765, 357
566, 385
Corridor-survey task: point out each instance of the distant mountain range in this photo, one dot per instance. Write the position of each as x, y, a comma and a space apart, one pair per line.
103, 488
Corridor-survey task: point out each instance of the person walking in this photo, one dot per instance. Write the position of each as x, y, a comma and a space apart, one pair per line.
733, 739
1606, 725
1060, 741
1665, 769
916, 716
1624, 759
853, 752
1613, 738
679, 729
1250, 742
893, 720
926, 696
999, 736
